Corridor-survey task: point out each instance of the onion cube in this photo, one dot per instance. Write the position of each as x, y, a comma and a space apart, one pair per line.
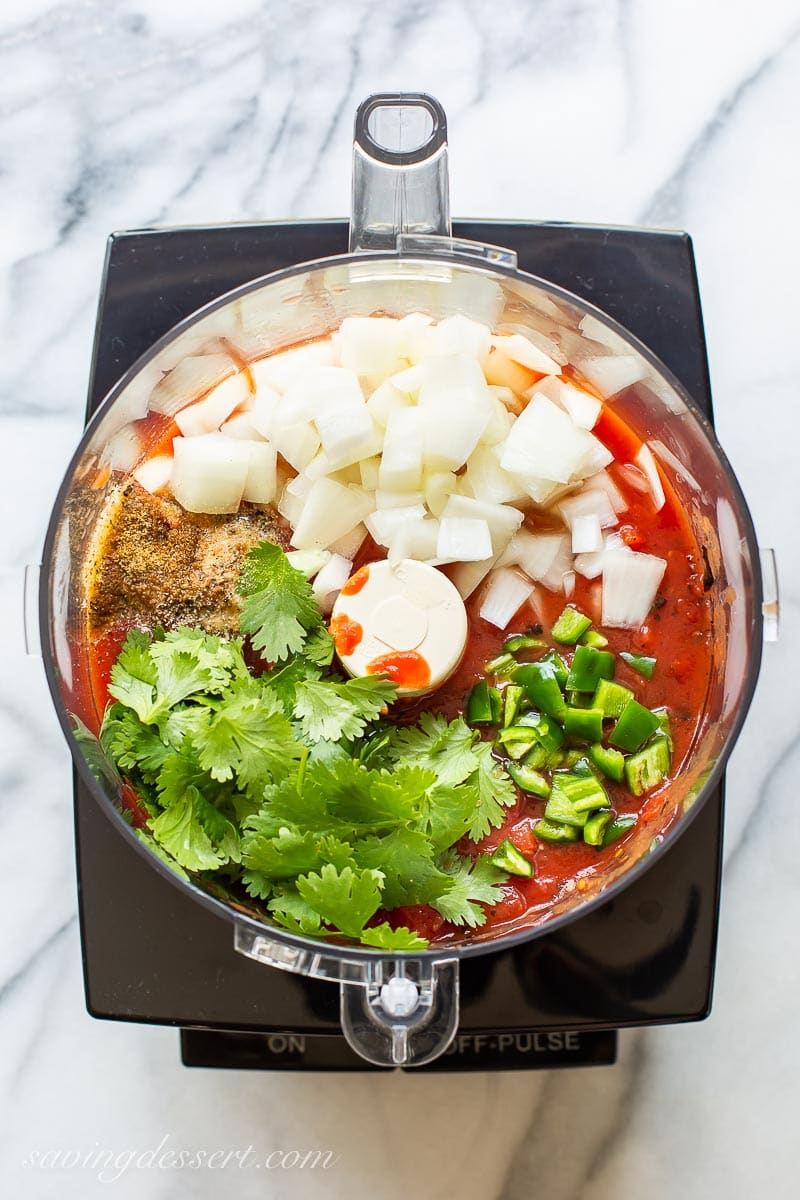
209, 472
206, 415
279, 371
401, 463
577, 403
457, 405
297, 443
506, 593
241, 425
415, 539
544, 443
523, 351
372, 346
463, 539
630, 584
384, 523
320, 390
348, 435
154, 473
259, 486
330, 510
612, 372
587, 533
330, 581
459, 335
589, 500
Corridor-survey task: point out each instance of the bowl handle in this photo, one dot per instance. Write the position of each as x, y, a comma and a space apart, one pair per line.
407, 1013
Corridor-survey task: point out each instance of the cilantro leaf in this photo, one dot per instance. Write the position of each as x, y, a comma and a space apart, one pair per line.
442, 747
278, 608
132, 744
257, 885
180, 831
249, 737
368, 800
406, 858
290, 910
448, 813
329, 710
283, 856
319, 647
387, 938
153, 674
345, 899
495, 791
474, 881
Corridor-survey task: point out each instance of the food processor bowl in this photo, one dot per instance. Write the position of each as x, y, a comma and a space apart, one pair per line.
402, 1008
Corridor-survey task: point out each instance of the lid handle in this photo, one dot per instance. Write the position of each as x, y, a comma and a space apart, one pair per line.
400, 180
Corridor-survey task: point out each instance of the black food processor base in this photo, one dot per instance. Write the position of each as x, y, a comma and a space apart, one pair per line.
152, 955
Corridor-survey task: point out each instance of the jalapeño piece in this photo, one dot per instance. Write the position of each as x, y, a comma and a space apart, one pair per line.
521, 641
555, 831
562, 670
589, 666
512, 702
540, 680
508, 858
517, 740
648, 768
529, 780
617, 827
584, 724
611, 697
640, 663
570, 626
635, 725
501, 666
596, 825
480, 706
593, 638
608, 760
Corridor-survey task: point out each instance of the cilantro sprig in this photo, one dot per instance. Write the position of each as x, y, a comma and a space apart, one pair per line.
291, 783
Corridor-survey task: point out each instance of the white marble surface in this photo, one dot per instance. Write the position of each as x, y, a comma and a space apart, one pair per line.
137, 112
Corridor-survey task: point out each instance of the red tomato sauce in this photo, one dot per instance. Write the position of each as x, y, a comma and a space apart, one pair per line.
406, 668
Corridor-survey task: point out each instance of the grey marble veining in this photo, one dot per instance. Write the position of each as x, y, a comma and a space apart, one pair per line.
136, 112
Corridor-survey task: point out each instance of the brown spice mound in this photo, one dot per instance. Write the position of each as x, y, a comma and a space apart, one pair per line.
160, 565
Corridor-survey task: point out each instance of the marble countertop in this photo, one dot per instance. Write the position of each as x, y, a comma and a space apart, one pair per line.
127, 113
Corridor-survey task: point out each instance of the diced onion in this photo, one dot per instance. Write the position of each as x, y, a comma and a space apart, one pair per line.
241, 425
259, 486
384, 522
397, 499
330, 581
589, 501
568, 582
603, 481
191, 377
591, 565
206, 415
522, 350
401, 462
154, 473
506, 593
613, 372
457, 407
308, 561
416, 539
645, 460
545, 443
278, 371
630, 584
587, 533
330, 510
209, 472
372, 346
463, 539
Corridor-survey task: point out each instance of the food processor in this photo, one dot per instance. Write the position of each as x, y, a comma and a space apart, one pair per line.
636, 947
